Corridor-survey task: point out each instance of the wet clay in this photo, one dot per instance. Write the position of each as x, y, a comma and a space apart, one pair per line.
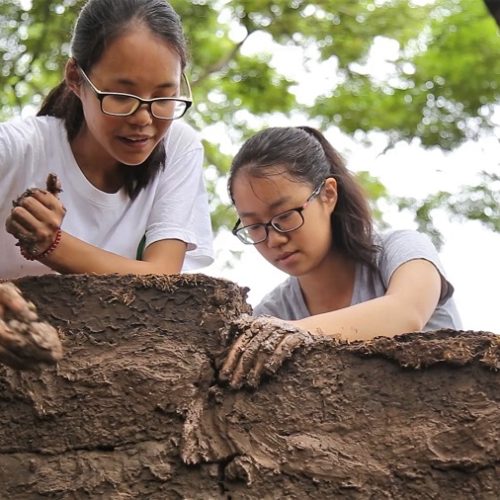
25, 342
135, 410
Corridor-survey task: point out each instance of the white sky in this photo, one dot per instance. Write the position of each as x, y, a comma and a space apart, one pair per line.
470, 254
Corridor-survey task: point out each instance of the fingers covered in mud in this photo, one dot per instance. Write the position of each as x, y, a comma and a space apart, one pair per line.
13, 304
258, 347
36, 217
25, 342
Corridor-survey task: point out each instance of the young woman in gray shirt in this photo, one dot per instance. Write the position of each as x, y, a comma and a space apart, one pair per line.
306, 214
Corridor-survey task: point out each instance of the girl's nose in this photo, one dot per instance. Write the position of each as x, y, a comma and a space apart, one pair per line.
142, 116
275, 238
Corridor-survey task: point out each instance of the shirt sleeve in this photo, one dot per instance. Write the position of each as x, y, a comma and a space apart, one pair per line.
403, 246
180, 209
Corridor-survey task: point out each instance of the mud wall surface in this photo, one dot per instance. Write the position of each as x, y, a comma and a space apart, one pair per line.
134, 410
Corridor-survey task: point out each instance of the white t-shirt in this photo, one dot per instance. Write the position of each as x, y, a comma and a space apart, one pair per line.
174, 205
396, 247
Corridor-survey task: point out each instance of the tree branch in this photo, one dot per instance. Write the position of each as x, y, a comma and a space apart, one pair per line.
223, 61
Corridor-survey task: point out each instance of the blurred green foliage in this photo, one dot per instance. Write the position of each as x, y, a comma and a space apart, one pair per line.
441, 87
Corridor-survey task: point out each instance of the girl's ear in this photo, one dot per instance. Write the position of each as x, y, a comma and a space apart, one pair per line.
329, 193
72, 76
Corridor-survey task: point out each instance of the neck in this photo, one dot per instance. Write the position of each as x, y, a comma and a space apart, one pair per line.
330, 286
100, 169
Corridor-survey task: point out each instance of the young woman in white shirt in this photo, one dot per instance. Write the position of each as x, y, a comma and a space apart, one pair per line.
133, 198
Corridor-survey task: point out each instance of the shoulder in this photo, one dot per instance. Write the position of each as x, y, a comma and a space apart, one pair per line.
402, 237
30, 140
31, 125
29, 147
399, 246
30, 132
181, 137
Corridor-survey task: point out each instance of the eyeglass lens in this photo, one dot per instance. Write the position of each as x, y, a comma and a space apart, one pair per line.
121, 105
287, 221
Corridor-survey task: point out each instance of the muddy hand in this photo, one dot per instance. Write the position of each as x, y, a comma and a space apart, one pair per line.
37, 216
25, 342
259, 346
53, 186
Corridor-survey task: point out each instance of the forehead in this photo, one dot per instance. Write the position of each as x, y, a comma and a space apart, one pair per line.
254, 195
140, 53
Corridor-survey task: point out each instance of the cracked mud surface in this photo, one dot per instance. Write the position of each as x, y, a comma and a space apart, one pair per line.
133, 409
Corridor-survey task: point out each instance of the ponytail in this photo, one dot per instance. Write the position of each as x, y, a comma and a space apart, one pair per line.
62, 103
352, 223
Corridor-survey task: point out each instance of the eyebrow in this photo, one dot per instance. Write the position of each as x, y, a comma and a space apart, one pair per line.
125, 81
273, 205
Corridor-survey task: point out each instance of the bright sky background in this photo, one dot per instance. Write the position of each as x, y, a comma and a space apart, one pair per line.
470, 254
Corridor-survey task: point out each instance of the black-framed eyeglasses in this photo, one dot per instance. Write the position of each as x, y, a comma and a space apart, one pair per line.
163, 108
283, 223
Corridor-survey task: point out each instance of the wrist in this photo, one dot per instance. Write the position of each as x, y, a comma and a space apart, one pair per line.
29, 255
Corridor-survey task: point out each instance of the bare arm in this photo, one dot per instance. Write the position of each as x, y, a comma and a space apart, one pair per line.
35, 222
260, 345
409, 302
75, 256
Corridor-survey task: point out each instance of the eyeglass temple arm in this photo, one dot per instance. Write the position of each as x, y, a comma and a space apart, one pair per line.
235, 227
190, 93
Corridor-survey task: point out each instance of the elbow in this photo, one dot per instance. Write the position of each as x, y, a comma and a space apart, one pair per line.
415, 325
413, 314
415, 320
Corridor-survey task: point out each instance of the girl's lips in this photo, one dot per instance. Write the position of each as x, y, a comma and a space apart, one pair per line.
283, 258
135, 139
136, 142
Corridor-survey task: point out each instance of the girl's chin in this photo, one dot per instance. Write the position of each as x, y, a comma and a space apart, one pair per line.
132, 163
133, 160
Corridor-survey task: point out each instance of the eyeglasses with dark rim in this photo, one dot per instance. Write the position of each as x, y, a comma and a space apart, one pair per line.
282, 223
121, 104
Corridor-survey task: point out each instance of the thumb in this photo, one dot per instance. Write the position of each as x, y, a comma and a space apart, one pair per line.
54, 185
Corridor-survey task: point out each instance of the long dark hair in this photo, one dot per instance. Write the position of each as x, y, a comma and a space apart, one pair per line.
99, 22
306, 155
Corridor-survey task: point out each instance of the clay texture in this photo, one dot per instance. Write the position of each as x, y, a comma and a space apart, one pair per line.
135, 408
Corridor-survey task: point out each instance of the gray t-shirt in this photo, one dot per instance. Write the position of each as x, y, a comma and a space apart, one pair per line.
396, 247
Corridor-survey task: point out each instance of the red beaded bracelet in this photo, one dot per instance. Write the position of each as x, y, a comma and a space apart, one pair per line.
46, 252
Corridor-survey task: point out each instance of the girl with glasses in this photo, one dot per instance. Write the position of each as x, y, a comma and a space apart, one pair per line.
306, 215
133, 198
